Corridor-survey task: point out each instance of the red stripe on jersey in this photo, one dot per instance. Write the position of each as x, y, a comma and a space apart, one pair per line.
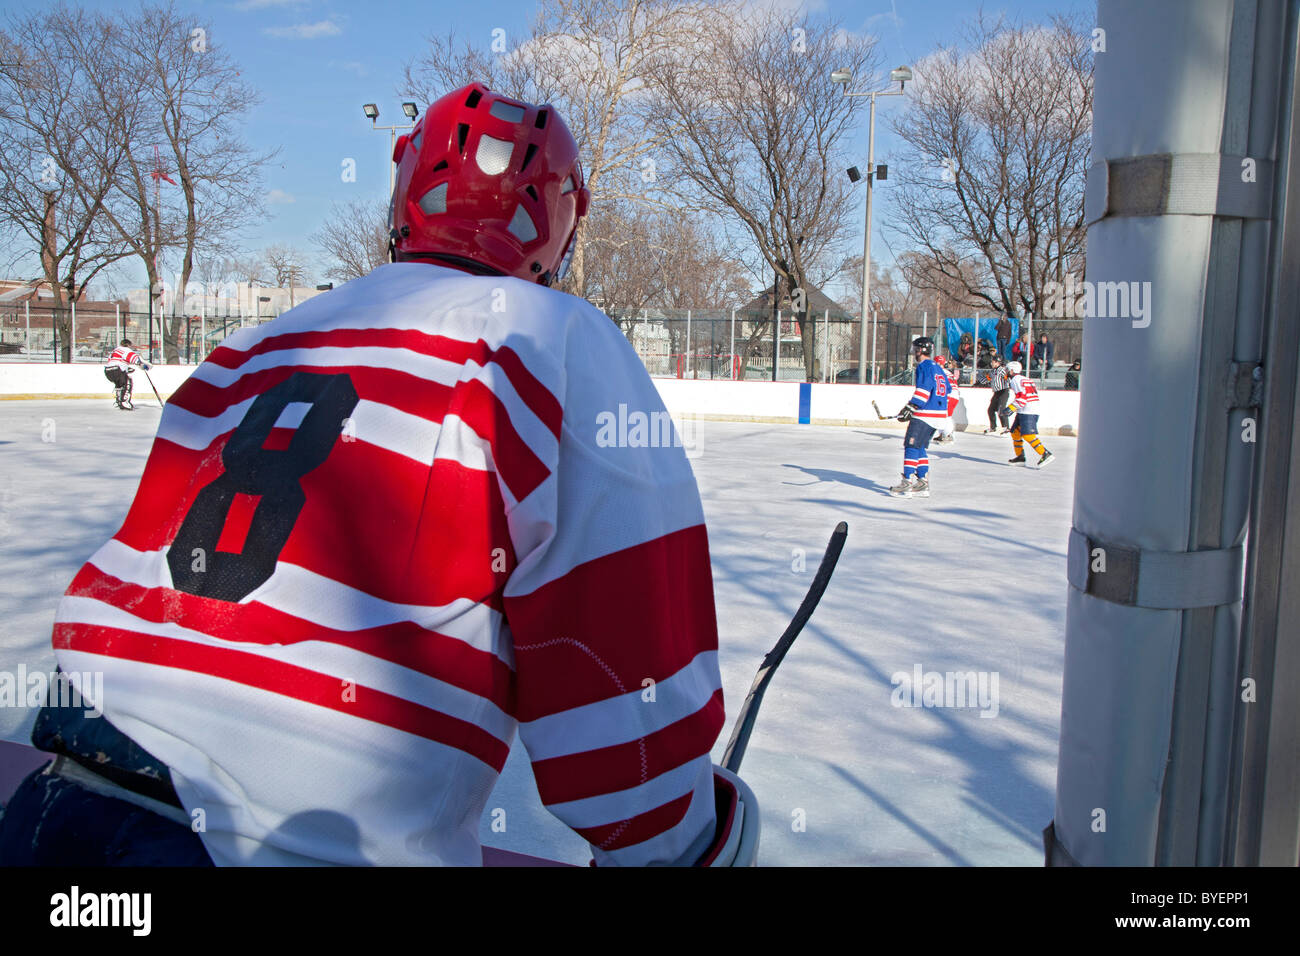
536, 395
279, 439
461, 547
347, 532
397, 389
173, 477
638, 829
472, 401
368, 541
288, 680
476, 405
404, 643
621, 767
608, 624
238, 519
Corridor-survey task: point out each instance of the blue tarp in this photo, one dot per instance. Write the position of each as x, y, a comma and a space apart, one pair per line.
988, 329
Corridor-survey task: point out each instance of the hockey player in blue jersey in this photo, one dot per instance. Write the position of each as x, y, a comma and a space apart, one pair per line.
925, 412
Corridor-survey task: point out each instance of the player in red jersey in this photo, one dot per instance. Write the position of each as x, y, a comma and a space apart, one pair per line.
121, 364
377, 537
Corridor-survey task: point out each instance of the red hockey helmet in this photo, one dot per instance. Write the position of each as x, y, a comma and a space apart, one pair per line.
488, 183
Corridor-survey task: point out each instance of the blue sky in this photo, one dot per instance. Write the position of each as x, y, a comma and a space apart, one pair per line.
317, 61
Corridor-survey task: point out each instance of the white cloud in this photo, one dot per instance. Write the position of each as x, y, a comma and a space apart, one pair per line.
279, 197
305, 31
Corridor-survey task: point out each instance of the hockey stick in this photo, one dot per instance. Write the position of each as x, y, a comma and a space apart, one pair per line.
154, 387
735, 752
883, 417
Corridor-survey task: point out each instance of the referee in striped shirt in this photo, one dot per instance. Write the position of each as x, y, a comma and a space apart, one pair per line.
998, 403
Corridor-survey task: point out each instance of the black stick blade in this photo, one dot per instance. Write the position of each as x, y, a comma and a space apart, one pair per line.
744, 726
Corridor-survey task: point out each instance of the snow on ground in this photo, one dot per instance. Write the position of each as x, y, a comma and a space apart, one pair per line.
969, 580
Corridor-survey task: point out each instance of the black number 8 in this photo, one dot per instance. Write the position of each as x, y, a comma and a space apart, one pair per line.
272, 474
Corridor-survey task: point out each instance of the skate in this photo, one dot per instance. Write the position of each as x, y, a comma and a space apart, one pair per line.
1047, 456
921, 488
1018, 458
903, 489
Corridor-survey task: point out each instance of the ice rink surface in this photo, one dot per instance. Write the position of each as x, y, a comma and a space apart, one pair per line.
970, 580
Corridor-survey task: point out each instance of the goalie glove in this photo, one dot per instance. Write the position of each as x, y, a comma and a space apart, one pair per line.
735, 841
905, 413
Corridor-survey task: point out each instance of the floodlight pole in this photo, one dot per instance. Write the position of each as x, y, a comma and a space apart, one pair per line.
392, 138
901, 75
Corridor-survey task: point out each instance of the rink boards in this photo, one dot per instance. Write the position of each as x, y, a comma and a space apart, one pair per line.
777, 402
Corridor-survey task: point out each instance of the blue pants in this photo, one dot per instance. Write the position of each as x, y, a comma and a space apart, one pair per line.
1026, 424
53, 821
915, 443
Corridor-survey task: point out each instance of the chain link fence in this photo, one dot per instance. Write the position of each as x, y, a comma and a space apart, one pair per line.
37, 334
687, 344
758, 347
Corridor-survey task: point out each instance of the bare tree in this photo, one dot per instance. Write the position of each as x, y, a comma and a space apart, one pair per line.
58, 157
287, 268
640, 259
932, 284
990, 189
194, 99
592, 59
749, 117
355, 237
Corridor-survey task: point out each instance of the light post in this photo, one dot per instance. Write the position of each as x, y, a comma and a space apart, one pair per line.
901, 76
372, 114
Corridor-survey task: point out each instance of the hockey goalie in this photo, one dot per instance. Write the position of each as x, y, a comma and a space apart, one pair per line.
375, 538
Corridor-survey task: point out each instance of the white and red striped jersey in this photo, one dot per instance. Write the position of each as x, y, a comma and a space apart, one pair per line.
1024, 394
376, 536
124, 357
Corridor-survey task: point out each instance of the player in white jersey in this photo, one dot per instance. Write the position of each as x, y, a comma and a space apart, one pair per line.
1024, 398
121, 364
382, 534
